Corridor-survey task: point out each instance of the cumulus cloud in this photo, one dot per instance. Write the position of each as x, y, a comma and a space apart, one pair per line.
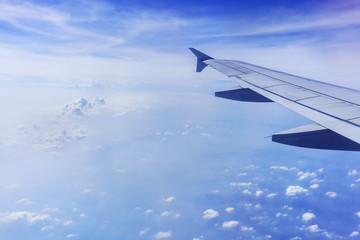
144, 231
148, 211
198, 238
314, 186
24, 201
259, 193
357, 214
86, 191
47, 227
354, 234
165, 213
279, 214
68, 223
308, 216
230, 224
294, 190
304, 175
353, 172
170, 213
163, 235
241, 184
81, 106
271, 195
71, 235
283, 168
229, 209
247, 228
210, 213
313, 228
169, 199
246, 192
31, 217
331, 194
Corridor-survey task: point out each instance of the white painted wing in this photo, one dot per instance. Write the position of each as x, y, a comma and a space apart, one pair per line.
333, 107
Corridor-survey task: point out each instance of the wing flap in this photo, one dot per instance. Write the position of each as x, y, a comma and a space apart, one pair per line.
315, 136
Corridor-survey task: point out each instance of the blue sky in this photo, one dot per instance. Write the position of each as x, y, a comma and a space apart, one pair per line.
109, 133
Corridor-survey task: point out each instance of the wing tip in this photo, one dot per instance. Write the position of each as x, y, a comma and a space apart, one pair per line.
200, 58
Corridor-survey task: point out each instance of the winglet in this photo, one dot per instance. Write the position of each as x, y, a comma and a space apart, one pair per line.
200, 58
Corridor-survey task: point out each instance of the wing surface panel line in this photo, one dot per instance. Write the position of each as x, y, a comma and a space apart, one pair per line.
306, 106
292, 75
307, 89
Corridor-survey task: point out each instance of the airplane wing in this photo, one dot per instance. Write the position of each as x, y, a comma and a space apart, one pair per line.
335, 110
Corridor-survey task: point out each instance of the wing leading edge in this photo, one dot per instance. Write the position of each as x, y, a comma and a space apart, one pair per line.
334, 109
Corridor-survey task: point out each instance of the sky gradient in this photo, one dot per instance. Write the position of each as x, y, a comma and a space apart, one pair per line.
107, 131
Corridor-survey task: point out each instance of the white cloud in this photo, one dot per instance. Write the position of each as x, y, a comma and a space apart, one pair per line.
246, 192
148, 211
271, 195
289, 208
357, 214
241, 184
24, 201
320, 170
210, 213
308, 216
86, 191
294, 190
229, 209
354, 234
31, 217
230, 224
81, 106
163, 235
317, 180
71, 235
165, 213
314, 186
283, 168
305, 175
68, 223
353, 172
313, 228
47, 227
169, 199
50, 210
241, 174
259, 193
144, 231
331, 194
247, 228
279, 214
198, 238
